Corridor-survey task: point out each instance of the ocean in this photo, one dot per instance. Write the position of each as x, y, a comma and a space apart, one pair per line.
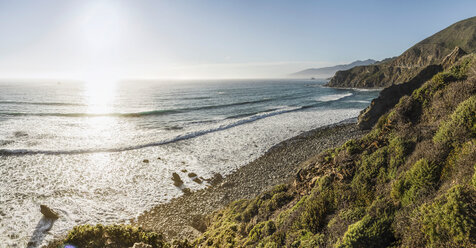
105, 152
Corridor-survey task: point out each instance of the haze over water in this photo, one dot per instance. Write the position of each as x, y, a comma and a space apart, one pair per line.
80, 149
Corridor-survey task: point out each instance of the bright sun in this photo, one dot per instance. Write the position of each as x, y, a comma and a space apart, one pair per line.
102, 26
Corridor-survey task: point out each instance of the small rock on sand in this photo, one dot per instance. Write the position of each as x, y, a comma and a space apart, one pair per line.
186, 191
145, 161
191, 174
197, 180
198, 222
177, 180
48, 212
216, 179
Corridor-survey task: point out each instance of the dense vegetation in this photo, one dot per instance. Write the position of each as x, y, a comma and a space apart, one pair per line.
410, 182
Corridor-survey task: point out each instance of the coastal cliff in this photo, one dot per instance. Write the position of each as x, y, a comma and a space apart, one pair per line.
390, 96
429, 51
410, 182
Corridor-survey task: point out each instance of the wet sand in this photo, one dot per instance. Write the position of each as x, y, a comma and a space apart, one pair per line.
183, 216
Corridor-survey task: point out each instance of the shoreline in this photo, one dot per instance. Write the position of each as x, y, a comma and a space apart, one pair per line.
184, 216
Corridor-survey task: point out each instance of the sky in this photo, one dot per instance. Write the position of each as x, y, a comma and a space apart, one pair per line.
145, 39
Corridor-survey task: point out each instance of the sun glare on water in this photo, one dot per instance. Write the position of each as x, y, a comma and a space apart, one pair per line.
101, 26
100, 96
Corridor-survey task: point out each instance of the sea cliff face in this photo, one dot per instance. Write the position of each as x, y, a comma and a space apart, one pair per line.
431, 50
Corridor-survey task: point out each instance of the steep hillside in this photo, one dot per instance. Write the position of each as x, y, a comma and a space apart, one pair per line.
410, 182
431, 50
326, 72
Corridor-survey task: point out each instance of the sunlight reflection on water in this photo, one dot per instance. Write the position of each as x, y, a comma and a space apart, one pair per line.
100, 97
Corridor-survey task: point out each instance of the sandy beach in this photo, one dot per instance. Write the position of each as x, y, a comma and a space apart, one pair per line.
184, 216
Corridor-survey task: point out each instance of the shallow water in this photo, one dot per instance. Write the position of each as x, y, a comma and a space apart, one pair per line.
79, 148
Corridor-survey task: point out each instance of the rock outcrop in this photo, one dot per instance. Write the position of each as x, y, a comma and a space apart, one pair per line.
451, 58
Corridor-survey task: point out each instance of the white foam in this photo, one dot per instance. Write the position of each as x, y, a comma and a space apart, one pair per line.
334, 97
359, 101
114, 187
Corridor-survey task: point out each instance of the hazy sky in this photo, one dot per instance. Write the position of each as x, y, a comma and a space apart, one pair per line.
186, 39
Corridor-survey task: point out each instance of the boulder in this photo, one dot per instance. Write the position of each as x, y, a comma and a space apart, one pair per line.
48, 212
186, 191
199, 223
191, 174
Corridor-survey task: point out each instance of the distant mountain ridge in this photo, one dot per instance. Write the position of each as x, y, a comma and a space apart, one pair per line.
326, 72
429, 51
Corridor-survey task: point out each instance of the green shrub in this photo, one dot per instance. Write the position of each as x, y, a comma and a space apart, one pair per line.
277, 201
450, 220
89, 236
459, 162
261, 230
307, 239
373, 230
474, 176
352, 214
250, 211
460, 126
423, 176
315, 209
352, 147
398, 149
372, 169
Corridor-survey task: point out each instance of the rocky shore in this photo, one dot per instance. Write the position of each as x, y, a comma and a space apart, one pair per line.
185, 217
